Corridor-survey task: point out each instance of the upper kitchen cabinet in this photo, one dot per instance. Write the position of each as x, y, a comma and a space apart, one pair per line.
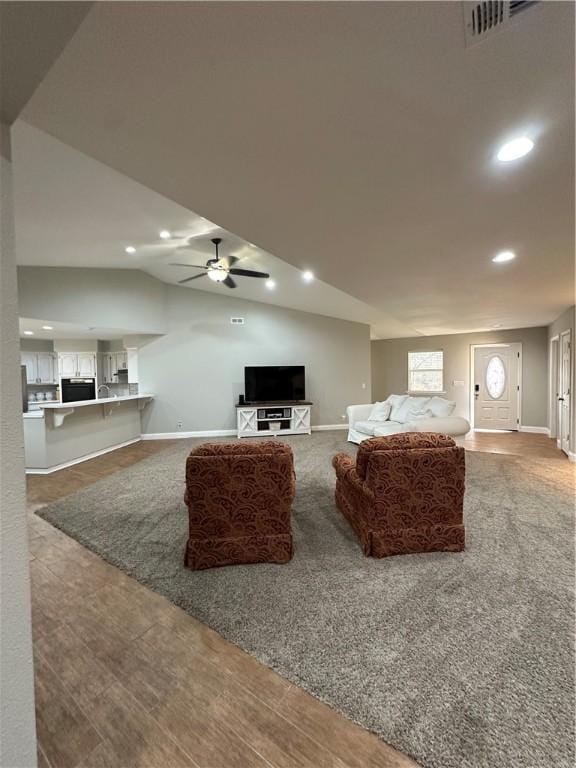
77, 364
112, 362
41, 367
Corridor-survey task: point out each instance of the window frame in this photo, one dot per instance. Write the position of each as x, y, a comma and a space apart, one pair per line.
430, 392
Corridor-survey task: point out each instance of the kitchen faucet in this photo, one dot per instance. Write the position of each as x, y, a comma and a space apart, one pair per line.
106, 387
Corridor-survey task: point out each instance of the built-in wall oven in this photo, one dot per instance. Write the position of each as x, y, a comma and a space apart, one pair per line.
78, 389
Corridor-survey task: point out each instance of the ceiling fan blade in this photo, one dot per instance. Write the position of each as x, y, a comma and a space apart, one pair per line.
194, 277
248, 273
229, 282
192, 266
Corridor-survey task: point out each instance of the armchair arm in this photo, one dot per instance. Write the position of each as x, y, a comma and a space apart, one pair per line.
358, 412
343, 464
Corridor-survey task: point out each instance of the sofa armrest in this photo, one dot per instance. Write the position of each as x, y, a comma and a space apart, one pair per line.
444, 425
358, 412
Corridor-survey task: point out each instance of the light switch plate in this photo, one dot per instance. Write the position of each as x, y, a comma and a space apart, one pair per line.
457, 383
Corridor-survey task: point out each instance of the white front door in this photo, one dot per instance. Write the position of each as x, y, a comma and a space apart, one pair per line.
564, 396
496, 386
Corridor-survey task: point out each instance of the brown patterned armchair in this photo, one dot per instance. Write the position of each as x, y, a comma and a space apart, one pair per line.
239, 498
404, 493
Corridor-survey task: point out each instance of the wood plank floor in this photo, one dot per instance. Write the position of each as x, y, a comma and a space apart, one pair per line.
124, 678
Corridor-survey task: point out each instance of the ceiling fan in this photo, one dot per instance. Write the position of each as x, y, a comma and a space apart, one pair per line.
220, 269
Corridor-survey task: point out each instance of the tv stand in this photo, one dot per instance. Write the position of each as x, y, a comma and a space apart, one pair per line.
273, 419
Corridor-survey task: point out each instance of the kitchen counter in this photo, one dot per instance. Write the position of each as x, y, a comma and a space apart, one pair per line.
96, 401
57, 435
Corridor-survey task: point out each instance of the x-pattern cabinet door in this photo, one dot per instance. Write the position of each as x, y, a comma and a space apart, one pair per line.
247, 421
301, 416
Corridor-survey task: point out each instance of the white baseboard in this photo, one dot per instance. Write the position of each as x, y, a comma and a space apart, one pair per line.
87, 457
572, 456
225, 432
536, 430
182, 435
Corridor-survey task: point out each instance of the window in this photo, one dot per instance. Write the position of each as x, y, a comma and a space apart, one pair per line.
426, 371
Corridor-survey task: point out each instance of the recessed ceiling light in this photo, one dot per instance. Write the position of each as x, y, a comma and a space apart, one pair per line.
130, 249
47, 327
307, 276
165, 235
515, 149
270, 284
28, 333
504, 256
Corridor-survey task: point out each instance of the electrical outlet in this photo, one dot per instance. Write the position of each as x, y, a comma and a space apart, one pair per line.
343, 416
363, 385
179, 425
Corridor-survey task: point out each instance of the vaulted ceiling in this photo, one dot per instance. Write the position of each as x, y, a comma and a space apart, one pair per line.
357, 139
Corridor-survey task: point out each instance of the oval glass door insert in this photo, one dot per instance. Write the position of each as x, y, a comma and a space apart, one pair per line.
495, 377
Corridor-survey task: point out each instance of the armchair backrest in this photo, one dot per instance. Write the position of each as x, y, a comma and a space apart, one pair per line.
401, 441
252, 473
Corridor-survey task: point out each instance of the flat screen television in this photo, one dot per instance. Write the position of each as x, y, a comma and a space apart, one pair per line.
274, 383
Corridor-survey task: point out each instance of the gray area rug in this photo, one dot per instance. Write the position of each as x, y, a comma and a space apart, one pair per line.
459, 660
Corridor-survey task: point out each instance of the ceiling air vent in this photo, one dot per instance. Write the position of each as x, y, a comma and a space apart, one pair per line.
483, 19
236, 321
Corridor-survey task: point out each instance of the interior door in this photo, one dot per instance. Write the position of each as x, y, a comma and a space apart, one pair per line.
564, 397
496, 386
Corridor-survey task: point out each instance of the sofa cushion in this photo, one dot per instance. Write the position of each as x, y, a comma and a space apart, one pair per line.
403, 441
441, 407
367, 426
389, 428
415, 404
396, 401
415, 415
380, 411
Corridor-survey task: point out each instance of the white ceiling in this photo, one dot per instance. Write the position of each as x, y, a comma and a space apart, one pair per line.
357, 139
72, 211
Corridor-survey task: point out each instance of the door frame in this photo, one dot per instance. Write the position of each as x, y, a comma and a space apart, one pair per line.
553, 385
473, 348
567, 332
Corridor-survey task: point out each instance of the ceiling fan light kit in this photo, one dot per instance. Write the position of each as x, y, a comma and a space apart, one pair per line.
219, 270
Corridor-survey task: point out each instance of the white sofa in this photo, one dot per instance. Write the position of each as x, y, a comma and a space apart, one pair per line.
407, 414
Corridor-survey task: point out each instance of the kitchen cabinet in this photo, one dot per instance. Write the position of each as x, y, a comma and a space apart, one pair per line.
87, 364
41, 367
77, 365
112, 362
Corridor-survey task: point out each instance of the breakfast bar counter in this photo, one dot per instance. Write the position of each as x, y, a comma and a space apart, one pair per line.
58, 435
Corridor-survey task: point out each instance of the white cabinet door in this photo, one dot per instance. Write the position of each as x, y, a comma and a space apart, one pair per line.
107, 368
46, 368
121, 360
30, 360
68, 364
86, 364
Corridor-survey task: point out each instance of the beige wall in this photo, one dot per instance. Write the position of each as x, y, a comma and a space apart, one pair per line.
390, 367
567, 322
36, 345
17, 722
111, 298
196, 367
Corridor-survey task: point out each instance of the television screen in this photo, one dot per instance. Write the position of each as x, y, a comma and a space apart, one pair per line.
273, 383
